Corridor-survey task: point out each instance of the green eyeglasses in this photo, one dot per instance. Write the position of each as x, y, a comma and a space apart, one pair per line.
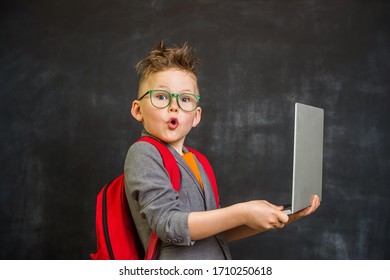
161, 99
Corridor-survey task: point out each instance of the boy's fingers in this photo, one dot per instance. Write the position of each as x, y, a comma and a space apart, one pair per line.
269, 204
283, 218
278, 207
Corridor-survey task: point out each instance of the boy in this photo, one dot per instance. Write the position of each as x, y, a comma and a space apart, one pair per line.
189, 223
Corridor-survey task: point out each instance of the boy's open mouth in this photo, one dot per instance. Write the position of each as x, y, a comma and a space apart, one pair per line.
173, 123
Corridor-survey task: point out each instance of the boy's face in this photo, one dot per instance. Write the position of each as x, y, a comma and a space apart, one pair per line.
170, 124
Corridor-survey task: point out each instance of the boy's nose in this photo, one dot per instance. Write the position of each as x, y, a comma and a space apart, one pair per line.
173, 107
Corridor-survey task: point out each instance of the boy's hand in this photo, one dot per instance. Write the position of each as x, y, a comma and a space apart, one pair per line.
261, 215
315, 203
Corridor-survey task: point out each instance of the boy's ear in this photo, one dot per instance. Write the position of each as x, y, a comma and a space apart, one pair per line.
136, 111
198, 116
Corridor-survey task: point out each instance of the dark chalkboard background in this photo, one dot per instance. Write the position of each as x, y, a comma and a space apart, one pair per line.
67, 80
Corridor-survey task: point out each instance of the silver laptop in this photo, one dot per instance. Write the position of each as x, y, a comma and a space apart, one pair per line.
308, 157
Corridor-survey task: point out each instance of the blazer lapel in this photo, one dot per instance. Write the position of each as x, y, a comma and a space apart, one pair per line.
180, 161
185, 166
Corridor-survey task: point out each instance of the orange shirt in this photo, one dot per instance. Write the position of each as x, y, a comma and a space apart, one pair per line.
190, 160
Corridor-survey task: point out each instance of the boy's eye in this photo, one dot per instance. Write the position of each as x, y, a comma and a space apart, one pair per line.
160, 96
185, 99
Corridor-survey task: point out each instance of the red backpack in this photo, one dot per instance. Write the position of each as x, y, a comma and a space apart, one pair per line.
116, 234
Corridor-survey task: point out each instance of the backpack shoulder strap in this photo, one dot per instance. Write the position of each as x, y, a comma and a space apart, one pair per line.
209, 171
169, 160
172, 168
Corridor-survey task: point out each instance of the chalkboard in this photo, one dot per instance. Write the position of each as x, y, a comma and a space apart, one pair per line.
67, 81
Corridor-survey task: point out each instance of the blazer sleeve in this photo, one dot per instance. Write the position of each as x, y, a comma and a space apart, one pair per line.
148, 185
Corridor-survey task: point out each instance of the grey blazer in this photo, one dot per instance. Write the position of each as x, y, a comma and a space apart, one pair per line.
156, 206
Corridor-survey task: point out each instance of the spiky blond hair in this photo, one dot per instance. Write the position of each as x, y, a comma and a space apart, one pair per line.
162, 58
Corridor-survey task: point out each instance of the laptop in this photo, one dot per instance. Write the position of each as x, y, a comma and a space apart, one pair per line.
308, 157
